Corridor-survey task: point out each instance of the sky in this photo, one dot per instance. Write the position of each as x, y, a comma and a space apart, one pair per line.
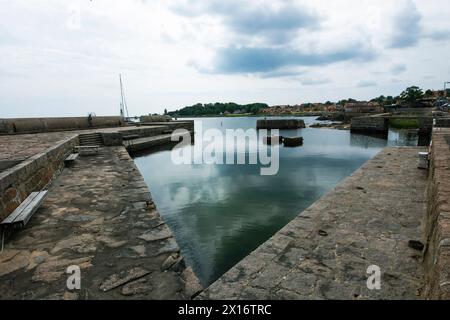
63, 58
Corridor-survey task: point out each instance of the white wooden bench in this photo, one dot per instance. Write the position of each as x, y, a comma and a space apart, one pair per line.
20, 217
71, 158
87, 150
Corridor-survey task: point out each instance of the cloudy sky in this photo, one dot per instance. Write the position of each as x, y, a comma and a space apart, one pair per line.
63, 58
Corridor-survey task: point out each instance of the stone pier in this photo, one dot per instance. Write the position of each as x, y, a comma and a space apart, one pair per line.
375, 217
99, 216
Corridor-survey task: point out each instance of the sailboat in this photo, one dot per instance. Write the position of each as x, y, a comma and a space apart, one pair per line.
123, 102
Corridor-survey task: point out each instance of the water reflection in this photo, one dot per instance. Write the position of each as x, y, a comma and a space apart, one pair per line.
220, 213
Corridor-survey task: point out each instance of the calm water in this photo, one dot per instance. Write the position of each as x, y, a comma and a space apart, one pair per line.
220, 213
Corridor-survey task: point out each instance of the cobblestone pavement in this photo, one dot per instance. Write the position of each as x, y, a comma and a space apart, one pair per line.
99, 216
324, 252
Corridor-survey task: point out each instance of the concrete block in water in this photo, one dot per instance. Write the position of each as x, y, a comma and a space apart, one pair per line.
292, 141
369, 124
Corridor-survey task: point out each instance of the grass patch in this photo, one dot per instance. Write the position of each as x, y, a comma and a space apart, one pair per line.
402, 123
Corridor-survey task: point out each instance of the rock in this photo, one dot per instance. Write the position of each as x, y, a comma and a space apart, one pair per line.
119, 279
140, 286
322, 233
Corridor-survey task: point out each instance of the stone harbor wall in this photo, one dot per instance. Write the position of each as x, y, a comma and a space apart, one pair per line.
280, 124
33, 174
370, 124
37, 125
437, 250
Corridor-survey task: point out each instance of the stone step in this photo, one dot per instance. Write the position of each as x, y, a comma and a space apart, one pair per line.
90, 139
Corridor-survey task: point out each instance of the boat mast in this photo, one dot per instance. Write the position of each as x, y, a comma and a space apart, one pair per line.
123, 103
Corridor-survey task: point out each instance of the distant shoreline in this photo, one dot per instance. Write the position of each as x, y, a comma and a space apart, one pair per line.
303, 114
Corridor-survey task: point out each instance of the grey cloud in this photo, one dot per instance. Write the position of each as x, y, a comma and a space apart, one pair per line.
281, 74
438, 35
398, 68
274, 25
269, 59
366, 83
406, 29
313, 82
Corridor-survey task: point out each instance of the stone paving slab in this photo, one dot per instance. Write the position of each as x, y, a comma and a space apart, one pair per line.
325, 251
98, 215
22, 146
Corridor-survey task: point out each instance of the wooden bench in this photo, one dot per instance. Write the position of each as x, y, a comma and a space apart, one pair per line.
20, 217
131, 137
71, 158
87, 150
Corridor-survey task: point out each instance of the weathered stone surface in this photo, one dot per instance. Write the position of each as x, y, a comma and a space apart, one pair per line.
55, 267
156, 234
324, 252
36, 258
140, 250
171, 260
123, 277
93, 217
192, 285
437, 253
12, 260
140, 286
82, 244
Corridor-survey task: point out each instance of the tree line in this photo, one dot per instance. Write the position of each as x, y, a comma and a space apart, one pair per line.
409, 95
209, 109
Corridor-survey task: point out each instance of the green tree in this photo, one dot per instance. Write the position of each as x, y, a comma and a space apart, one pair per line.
165, 111
411, 94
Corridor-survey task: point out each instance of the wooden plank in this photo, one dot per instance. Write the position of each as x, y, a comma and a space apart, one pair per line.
26, 214
10, 219
72, 157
